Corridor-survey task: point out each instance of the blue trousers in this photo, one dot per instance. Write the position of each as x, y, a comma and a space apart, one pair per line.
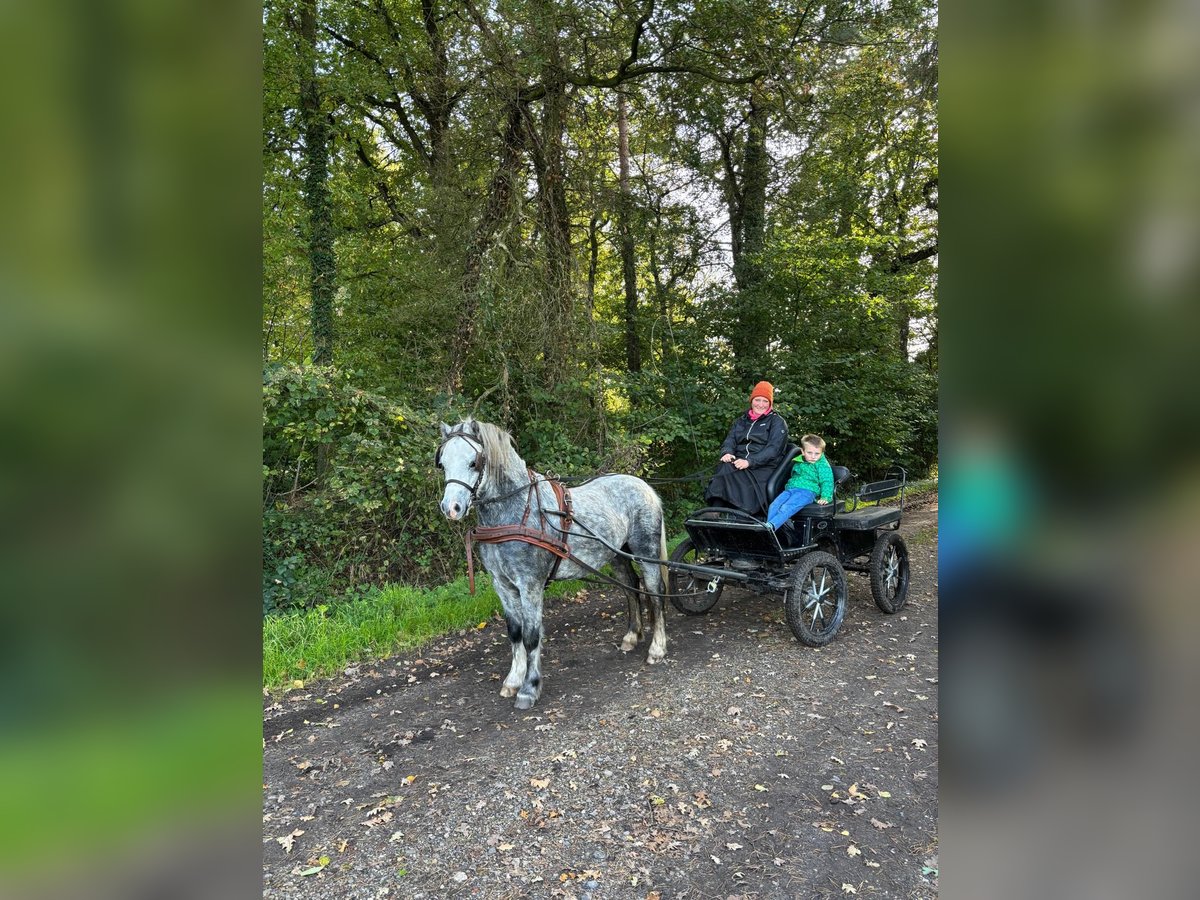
788, 504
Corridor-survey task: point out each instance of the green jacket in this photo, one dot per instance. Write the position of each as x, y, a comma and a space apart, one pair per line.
816, 477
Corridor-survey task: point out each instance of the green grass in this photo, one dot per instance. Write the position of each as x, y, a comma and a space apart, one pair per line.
322, 641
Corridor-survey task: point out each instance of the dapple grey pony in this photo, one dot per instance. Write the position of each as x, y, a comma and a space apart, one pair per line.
482, 469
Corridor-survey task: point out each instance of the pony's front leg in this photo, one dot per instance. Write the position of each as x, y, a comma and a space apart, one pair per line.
510, 599
531, 638
516, 672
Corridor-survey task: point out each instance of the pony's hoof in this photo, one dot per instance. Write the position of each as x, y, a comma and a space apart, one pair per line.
524, 701
628, 643
507, 691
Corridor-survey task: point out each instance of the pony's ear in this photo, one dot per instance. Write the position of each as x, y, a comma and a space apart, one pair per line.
445, 430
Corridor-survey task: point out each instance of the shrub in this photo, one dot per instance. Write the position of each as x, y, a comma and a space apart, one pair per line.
349, 497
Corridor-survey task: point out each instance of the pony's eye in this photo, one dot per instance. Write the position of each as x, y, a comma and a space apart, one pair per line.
471, 465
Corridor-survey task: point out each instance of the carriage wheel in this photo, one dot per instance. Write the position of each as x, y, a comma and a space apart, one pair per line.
816, 598
889, 572
690, 593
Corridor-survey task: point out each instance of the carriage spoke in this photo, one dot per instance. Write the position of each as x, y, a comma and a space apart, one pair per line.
893, 572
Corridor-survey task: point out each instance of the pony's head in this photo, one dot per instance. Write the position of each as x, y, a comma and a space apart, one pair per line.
474, 458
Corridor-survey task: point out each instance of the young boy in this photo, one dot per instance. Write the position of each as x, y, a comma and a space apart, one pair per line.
812, 478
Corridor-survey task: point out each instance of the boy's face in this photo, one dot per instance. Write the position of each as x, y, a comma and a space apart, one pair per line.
811, 453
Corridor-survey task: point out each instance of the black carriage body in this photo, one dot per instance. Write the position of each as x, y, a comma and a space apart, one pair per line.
850, 535
805, 560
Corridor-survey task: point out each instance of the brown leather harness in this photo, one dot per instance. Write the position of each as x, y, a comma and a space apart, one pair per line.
538, 537
499, 534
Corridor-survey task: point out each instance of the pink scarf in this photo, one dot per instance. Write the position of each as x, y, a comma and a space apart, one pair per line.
754, 417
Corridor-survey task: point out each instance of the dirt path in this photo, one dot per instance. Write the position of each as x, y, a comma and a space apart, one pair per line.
747, 765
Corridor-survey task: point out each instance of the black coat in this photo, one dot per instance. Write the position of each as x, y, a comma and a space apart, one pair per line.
762, 442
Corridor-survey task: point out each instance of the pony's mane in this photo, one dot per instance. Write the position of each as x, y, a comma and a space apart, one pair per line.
499, 448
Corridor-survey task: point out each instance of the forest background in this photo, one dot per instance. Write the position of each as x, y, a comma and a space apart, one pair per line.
597, 224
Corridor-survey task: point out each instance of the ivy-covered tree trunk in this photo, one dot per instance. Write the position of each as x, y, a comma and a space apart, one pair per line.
499, 195
633, 350
555, 222
323, 274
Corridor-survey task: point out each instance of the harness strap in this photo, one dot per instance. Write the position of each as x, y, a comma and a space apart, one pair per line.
499, 534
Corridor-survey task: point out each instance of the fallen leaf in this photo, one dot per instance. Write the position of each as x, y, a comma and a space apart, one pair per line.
540, 782
732, 846
871, 863
288, 840
759, 787
881, 825
849, 888
381, 819
885, 793
853, 851
919, 743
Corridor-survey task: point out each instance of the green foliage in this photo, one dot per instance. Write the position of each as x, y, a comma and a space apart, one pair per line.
349, 495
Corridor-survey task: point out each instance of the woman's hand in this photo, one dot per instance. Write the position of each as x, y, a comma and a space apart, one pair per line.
728, 457
741, 463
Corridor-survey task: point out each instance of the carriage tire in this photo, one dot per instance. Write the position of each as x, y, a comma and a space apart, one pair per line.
687, 591
890, 572
816, 598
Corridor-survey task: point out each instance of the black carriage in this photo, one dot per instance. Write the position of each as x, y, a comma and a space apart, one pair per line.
805, 561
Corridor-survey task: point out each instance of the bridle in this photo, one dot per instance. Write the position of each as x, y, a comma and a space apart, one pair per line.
480, 460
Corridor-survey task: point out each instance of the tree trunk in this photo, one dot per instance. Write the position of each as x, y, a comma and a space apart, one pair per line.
323, 275
747, 196
633, 350
555, 221
500, 193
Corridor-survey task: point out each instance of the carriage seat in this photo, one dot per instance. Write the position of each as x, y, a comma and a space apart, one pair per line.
783, 471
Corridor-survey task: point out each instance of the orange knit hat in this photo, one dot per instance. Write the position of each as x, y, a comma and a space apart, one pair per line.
763, 389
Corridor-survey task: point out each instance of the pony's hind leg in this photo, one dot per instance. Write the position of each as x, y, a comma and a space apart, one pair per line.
625, 574
654, 579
